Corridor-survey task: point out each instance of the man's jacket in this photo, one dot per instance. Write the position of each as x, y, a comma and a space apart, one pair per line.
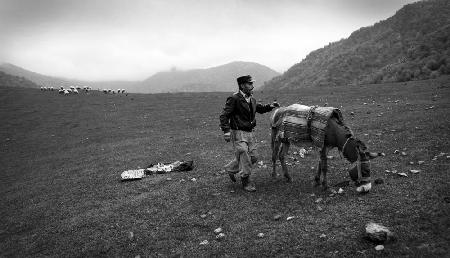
238, 114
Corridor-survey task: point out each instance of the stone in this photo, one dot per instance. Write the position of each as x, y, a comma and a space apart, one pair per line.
318, 200
218, 230
220, 236
203, 216
277, 217
260, 235
204, 242
379, 247
340, 191
290, 218
415, 171
420, 162
378, 233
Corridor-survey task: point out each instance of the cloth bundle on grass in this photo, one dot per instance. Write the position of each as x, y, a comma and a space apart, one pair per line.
307, 124
159, 168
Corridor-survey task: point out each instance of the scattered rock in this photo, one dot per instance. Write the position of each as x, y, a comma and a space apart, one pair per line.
378, 233
218, 230
232, 191
204, 242
260, 235
415, 171
277, 217
402, 174
318, 200
193, 179
220, 236
330, 157
323, 236
169, 179
396, 152
203, 216
340, 191
130, 235
404, 153
411, 163
352, 113
379, 181
312, 195
319, 208
331, 194
387, 171
379, 247
290, 218
420, 162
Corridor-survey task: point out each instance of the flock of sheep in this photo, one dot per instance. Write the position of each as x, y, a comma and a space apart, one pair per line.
77, 89
106, 91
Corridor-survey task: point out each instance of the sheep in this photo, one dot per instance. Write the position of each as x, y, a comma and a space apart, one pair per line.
66, 92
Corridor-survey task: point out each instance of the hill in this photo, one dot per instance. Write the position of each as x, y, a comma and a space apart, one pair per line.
220, 78
45, 80
414, 44
7, 80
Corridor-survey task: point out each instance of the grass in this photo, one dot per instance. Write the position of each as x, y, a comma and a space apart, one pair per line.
61, 160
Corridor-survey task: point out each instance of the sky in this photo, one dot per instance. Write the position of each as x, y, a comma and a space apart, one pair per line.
134, 39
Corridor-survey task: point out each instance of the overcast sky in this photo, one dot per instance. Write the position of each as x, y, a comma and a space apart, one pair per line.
133, 39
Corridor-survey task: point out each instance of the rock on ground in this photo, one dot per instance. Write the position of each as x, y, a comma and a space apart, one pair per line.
378, 233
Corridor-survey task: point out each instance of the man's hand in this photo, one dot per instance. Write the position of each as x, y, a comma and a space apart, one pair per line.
275, 104
227, 136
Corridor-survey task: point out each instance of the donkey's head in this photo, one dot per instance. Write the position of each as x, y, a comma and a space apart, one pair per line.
355, 150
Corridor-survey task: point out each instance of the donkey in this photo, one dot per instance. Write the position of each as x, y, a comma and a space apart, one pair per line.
336, 134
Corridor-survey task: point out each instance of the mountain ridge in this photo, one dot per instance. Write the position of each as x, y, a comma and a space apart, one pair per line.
217, 78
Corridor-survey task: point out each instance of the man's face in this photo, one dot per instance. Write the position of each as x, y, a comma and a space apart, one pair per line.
247, 88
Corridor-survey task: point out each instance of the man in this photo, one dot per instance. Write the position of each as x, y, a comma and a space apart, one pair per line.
237, 122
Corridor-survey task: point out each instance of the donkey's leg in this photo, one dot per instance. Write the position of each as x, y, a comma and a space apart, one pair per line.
324, 167
275, 154
317, 177
282, 156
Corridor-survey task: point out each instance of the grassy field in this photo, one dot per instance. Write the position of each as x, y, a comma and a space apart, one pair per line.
61, 195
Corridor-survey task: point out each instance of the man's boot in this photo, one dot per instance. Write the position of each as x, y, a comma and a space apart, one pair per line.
248, 186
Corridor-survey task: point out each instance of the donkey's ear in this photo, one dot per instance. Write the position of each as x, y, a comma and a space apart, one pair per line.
373, 155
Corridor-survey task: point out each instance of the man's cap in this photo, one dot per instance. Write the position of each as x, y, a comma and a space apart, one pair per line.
245, 79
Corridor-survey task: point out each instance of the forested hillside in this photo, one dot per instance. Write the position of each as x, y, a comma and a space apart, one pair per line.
414, 44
